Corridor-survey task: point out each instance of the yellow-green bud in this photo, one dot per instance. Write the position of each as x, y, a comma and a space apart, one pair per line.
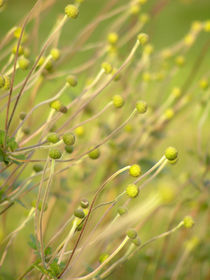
55, 53
84, 203
103, 257
112, 38
143, 39
2, 81
132, 190
188, 221
169, 113
71, 80
135, 170
53, 138
79, 213
171, 153
55, 154
107, 67
122, 210
144, 18
80, 131
7, 82
71, 11
56, 105
94, 154
204, 84
69, 139
118, 101
131, 233
23, 63
37, 168
22, 115
20, 50
180, 60
135, 9
207, 26
176, 92
141, 106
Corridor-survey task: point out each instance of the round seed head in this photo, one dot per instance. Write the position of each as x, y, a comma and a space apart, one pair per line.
37, 168
107, 67
143, 39
122, 210
56, 105
94, 154
80, 131
79, 213
118, 101
131, 233
69, 139
84, 203
141, 106
103, 257
23, 63
71, 80
55, 53
171, 153
69, 149
135, 170
112, 38
53, 138
188, 222
55, 154
72, 11
132, 190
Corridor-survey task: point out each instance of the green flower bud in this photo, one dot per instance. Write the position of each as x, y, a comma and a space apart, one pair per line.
22, 115
53, 138
55, 154
37, 168
94, 154
169, 114
143, 39
132, 190
69, 139
141, 106
176, 92
136, 241
122, 210
26, 130
56, 105
103, 257
112, 38
171, 153
69, 149
72, 80
188, 222
55, 53
23, 63
79, 213
20, 50
131, 233
71, 11
135, 170
41, 61
84, 203
118, 101
107, 67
